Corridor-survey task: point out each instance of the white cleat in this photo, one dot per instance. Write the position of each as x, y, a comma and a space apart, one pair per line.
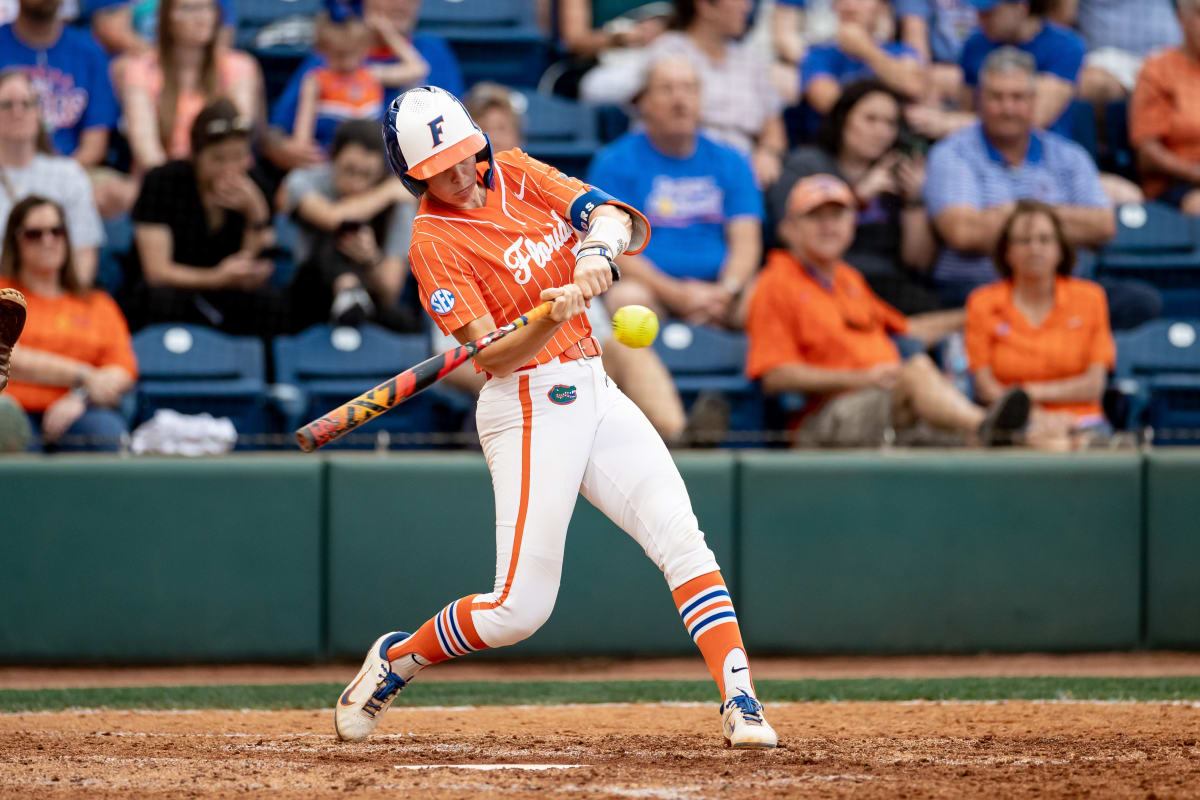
370, 693
743, 724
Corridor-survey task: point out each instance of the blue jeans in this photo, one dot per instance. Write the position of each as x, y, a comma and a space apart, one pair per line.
98, 430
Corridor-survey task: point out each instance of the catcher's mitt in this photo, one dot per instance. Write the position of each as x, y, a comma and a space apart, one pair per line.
12, 322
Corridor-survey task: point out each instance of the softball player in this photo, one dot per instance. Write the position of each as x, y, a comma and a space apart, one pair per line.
495, 235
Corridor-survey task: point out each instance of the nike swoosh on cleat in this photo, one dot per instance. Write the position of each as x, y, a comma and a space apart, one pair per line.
738, 669
345, 697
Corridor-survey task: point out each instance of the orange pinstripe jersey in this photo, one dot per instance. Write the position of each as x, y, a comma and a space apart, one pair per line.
497, 259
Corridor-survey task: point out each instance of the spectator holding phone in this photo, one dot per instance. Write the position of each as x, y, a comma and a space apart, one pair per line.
860, 142
203, 235
75, 361
355, 222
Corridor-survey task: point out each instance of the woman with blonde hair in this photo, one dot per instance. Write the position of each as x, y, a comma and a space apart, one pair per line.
163, 91
75, 361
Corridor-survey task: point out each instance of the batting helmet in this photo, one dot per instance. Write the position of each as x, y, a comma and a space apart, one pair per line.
428, 130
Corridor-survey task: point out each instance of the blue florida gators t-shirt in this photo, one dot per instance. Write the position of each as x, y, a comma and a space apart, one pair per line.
71, 78
1056, 50
687, 200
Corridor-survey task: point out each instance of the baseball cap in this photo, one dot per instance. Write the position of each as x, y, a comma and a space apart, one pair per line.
988, 5
817, 190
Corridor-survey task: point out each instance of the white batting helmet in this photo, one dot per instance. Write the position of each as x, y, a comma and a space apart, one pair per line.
428, 130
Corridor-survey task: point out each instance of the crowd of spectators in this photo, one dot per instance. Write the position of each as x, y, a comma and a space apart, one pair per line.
831, 176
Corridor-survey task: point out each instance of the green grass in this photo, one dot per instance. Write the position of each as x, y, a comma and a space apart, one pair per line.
323, 695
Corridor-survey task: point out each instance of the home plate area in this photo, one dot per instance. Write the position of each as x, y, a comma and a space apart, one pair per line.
874, 750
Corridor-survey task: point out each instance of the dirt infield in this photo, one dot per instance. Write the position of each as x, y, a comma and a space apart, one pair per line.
1145, 664
873, 750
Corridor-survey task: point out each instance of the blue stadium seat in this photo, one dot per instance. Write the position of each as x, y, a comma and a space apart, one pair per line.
1083, 126
193, 369
325, 366
495, 40
1117, 153
1158, 369
701, 358
1157, 244
561, 132
264, 24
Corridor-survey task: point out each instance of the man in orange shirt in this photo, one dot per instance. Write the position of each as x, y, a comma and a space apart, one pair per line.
816, 327
12, 321
1164, 117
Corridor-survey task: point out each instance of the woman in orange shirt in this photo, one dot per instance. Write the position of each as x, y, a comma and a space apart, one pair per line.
1039, 328
75, 360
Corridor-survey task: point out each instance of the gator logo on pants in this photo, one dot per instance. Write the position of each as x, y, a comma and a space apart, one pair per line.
561, 395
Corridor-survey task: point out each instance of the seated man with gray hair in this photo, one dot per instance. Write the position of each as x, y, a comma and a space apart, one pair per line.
975, 176
700, 196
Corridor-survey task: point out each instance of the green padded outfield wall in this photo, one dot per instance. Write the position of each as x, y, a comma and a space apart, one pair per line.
1173, 548
408, 536
160, 559
928, 552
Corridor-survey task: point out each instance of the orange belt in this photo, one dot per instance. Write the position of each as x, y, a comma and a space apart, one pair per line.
584, 348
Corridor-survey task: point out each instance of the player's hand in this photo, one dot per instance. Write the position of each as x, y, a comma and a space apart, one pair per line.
593, 275
61, 415
568, 301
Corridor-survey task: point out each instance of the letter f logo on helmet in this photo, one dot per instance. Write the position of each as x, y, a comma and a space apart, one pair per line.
427, 131
435, 128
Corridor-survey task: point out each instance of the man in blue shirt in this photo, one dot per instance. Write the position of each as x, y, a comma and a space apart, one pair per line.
1057, 53
70, 73
1120, 34
975, 176
855, 54
444, 73
700, 198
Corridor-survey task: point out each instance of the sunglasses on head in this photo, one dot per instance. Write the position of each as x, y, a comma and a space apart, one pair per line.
224, 127
38, 234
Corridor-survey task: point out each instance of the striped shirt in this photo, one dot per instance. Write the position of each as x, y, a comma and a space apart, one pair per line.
497, 259
964, 170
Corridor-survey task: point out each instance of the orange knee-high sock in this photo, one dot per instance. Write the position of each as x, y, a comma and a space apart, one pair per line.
449, 634
707, 612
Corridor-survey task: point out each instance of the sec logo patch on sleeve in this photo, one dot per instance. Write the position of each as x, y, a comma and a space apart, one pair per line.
442, 301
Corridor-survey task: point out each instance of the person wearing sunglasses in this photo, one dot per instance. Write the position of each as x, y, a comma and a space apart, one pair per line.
75, 362
28, 165
815, 327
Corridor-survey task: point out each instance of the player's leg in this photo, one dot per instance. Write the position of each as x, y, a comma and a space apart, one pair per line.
631, 478
536, 448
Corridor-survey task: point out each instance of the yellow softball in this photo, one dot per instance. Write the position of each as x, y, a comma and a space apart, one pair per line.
635, 326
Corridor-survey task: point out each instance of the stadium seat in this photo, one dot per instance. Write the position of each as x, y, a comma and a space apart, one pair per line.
1158, 370
324, 366
1156, 244
1083, 126
561, 132
192, 369
702, 358
1117, 153
496, 40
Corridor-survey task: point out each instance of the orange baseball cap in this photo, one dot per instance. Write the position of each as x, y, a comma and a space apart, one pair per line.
817, 190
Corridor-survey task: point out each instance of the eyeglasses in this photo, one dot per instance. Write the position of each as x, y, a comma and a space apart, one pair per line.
38, 234
7, 106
